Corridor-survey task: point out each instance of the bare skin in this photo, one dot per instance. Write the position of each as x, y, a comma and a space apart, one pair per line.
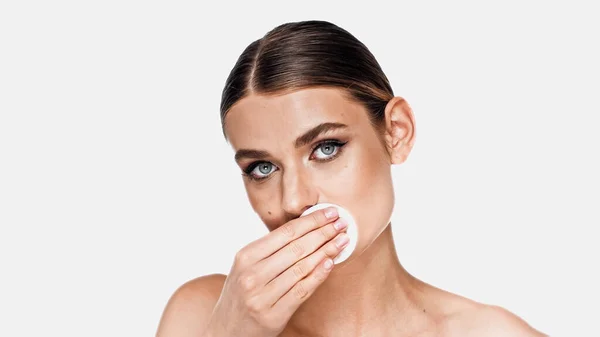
370, 294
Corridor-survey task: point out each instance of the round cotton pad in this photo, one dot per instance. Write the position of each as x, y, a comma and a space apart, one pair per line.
351, 230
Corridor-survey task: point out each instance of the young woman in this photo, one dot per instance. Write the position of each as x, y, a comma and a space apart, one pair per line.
313, 119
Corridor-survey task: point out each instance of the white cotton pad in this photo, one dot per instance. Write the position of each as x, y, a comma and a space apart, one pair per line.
351, 230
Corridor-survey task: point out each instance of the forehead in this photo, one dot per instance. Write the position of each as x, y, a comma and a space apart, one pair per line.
258, 120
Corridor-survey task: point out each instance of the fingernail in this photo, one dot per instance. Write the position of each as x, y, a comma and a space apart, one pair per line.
328, 264
331, 213
342, 240
340, 224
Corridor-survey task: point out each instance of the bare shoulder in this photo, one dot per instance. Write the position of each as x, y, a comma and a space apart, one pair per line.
491, 321
190, 306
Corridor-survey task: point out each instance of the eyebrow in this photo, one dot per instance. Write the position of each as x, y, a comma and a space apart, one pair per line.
251, 154
315, 132
304, 139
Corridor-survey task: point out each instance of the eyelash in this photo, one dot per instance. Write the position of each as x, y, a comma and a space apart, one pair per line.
340, 145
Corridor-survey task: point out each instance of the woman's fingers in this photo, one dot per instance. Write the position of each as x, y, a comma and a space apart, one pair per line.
308, 272
303, 289
288, 232
298, 249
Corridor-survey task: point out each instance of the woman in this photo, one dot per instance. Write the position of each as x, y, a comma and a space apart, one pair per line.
313, 119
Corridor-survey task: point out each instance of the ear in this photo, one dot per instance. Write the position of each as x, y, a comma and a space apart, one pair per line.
399, 129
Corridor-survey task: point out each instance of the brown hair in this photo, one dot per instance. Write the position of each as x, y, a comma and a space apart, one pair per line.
305, 54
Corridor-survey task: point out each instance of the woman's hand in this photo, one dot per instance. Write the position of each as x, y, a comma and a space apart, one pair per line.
273, 275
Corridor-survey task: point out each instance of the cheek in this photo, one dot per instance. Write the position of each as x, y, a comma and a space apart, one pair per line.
262, 201
364, 186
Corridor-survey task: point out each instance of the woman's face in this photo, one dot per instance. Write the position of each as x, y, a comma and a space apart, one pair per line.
312, 146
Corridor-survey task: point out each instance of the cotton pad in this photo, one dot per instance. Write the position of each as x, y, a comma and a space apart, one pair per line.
351, 230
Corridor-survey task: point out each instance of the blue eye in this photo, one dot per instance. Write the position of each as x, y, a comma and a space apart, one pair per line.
261, 170
327, 150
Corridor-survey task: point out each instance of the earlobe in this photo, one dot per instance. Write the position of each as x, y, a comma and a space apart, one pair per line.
399, 129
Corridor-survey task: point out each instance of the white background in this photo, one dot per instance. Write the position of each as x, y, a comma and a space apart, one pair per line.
116, 185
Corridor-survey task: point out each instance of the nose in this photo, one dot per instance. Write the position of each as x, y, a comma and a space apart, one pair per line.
298, 193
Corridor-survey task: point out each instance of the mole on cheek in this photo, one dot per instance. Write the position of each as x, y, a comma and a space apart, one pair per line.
269, 212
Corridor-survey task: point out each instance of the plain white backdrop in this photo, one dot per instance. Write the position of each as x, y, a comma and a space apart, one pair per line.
116, 185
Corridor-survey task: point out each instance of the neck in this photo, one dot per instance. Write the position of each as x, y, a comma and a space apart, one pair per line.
364, 294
